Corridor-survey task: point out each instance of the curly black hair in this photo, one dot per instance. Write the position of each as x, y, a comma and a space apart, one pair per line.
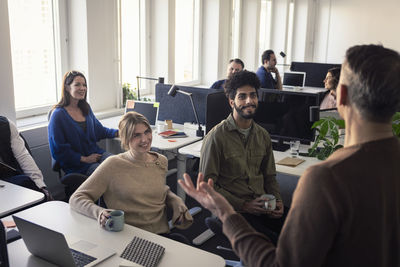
238, 80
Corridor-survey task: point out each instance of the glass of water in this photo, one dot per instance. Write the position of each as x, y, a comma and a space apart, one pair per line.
294, 148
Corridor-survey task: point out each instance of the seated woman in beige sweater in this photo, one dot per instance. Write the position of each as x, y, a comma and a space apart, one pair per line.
133, 181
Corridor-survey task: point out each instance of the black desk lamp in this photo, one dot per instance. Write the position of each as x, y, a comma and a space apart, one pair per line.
172, 92
160, 80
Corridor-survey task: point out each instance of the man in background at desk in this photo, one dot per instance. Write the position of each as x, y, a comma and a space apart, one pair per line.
237, 155
234, 66
268, 61
14, 153
345, 210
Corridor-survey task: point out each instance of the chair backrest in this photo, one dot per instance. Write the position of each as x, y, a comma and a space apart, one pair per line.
217, 109
3, 246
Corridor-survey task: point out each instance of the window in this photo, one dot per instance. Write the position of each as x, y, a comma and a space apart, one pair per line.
265, 25
34, 55
131, 46
289, 37
187, 40
281, 24
235, 28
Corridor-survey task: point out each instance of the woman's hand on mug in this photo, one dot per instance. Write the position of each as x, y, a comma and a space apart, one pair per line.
105, 215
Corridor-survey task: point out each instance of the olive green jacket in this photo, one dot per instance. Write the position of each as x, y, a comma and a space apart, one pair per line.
241, 171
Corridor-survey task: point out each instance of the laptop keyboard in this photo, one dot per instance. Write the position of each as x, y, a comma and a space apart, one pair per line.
81, 259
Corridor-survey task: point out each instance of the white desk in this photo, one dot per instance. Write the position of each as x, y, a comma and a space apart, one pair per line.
14, 197
58, 216
194, 150
158, 141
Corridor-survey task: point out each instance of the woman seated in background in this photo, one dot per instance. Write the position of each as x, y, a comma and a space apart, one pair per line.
133, 181
331, 81
74, 130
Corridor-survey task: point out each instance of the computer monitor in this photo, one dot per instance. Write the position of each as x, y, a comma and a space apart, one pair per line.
147, 109
286, 115
294, 78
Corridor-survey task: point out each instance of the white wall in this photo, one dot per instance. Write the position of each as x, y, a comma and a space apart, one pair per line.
7, 103
301, 33
160, 26
102, 51
210, 70
78, 37
355, 22
93, 49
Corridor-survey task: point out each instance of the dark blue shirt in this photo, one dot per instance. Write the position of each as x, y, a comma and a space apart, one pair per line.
266, 79
218, 84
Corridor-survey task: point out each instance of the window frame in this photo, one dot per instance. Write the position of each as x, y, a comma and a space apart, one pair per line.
59, 14
197, 40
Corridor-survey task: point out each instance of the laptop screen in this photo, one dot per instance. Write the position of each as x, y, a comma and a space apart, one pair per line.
147, 109
294, 79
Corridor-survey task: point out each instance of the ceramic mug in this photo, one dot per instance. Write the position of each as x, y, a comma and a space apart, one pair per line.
116, 221
270, 201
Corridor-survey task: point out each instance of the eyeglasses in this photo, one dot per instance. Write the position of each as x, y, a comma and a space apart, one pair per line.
73, 73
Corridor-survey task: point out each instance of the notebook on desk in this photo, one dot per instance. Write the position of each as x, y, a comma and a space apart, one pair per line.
143, 252
147, 109
53, 247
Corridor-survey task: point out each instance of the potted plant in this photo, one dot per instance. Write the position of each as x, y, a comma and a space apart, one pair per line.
327, 137
128, 93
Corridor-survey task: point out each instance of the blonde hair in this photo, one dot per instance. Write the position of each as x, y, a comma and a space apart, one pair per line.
127, 125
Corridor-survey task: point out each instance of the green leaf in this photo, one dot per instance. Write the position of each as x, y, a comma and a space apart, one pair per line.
316, 124
324, 129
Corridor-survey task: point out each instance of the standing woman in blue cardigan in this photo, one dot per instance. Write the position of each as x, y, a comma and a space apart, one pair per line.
74, 130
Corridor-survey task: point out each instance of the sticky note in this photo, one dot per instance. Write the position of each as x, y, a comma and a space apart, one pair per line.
156, 104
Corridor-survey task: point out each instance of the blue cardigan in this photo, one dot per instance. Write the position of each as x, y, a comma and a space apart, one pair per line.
68, 142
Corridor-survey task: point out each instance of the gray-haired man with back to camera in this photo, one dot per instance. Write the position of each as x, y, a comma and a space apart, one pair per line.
345, 210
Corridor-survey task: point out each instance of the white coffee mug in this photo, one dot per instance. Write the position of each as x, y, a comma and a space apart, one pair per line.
160, 128
270, 201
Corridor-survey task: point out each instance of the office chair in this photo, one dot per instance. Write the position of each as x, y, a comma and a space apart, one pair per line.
71, 181
217, 109
215, 225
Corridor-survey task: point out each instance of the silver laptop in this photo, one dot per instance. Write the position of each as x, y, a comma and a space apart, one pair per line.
53, 247
147, 109
293, 79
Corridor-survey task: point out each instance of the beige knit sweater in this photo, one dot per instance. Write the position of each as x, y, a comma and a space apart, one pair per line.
137, 188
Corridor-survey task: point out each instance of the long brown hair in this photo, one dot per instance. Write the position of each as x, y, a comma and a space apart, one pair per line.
66, 96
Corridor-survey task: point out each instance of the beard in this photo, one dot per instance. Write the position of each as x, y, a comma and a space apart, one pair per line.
244, 115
